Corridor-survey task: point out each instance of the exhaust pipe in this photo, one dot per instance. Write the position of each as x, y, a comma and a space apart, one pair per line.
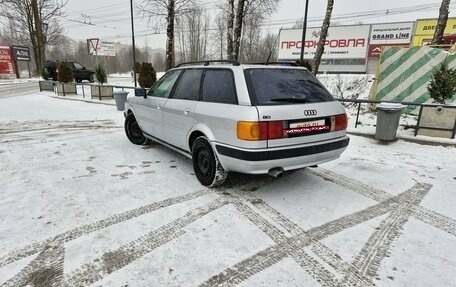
276, 172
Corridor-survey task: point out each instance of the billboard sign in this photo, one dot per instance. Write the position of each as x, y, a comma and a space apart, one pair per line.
342, 42
391, 34
21, 53
102, 48
6, 60
425, 29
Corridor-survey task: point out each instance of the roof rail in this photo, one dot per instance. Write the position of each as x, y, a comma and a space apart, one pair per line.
283, 63
206, 63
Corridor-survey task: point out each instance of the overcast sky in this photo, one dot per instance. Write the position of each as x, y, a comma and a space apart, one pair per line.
112, 17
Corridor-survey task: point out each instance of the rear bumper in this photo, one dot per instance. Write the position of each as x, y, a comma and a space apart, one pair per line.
261, 161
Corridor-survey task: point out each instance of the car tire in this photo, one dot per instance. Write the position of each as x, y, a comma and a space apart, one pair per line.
206, 165
90, 79
134, 132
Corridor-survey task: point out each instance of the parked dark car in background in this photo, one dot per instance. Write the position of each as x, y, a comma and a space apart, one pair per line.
81, 73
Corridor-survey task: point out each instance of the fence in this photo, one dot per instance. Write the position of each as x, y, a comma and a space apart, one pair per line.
420, 124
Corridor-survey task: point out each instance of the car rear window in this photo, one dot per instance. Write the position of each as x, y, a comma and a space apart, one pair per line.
284, 86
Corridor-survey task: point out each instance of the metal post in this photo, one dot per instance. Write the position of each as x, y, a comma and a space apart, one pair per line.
304, 28
133, 42
357, 115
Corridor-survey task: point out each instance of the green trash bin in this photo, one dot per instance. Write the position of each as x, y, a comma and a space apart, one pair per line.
388, 116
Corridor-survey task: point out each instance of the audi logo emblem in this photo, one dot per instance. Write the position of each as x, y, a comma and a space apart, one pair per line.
310, 112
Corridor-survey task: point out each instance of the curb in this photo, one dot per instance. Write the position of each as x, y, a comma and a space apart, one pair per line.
81, 100
407, 139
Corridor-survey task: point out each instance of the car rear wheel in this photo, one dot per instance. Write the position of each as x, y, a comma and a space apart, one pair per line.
134, 132
206, 165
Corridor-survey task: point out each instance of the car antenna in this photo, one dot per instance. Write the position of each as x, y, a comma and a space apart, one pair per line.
273, 47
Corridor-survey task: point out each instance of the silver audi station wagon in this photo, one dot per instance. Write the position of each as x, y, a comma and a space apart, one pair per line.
253, 119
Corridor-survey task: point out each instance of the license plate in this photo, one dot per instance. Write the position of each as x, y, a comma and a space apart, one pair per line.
307, 124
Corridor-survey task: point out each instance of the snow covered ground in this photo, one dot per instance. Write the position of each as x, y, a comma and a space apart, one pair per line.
82, 206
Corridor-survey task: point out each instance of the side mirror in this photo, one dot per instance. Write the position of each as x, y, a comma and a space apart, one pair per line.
140, 92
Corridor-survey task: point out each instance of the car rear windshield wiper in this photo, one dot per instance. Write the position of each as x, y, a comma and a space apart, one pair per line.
290, 100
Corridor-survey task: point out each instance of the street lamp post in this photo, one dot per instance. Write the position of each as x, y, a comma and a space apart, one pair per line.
304, 28
133, 41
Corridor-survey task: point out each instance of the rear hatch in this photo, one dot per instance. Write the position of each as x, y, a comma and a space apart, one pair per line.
296, 106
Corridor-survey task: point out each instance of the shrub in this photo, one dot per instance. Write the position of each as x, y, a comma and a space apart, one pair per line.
147, 75
100, 74
45, 74
442, 86
304, 63
137, 67
66, 74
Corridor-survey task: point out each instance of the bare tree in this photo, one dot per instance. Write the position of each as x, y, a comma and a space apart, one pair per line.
26, 20
167, 9
220, 33
441, 23
230, 26
192, 33
260, 8
324, 32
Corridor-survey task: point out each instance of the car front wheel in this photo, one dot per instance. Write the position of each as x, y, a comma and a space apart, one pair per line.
206, 165
134, 132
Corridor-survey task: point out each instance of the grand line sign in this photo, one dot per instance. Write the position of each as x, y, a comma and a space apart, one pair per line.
342, 42
390, 34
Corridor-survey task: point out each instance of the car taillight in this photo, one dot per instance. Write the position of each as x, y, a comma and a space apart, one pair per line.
339, 122
256, 131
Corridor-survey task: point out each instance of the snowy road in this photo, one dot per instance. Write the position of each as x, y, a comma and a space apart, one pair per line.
81, 206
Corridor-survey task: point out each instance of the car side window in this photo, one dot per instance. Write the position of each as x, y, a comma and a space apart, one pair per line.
188, 87
78, 66
164, 86
218, 87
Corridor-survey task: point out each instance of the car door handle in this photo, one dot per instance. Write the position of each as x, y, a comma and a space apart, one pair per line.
186, 112
159, 107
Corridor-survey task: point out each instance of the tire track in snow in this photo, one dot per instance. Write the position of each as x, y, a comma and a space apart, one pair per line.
294, 246
368, 260
92, 227
423, 214
45, 270
99, 268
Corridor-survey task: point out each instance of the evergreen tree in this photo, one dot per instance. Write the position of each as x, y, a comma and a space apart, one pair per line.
100, 74
65, 74
443, 83
147, 75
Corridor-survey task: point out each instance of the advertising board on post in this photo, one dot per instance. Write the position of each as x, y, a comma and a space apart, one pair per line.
425, 29
391, 34
342, 42
6, 61
102, 48
21, 53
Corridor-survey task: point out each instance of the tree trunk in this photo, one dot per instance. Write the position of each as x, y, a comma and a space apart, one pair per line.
39, 39
238, 29
441, 24
321, 42
229, 35
170, 35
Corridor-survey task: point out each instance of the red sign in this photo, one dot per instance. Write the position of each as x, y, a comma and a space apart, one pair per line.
6, 60
376, 50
